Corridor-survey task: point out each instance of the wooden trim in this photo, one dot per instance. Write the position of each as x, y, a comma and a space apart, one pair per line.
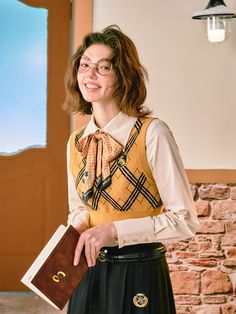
82, 24
211, 175
82, 21
36, 3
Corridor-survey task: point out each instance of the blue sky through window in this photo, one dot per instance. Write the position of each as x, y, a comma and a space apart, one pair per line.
23, 76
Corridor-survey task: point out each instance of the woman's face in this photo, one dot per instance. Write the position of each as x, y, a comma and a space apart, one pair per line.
95, 78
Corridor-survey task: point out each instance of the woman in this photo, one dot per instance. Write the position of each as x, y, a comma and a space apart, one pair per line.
128, 191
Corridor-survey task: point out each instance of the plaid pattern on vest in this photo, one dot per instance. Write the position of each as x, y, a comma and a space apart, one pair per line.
132, 193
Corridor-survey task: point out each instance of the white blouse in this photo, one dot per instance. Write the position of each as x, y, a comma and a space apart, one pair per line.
179, 221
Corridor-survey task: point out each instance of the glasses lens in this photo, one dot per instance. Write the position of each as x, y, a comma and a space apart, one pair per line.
104, 67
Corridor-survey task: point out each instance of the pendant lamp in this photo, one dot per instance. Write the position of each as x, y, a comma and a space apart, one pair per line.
217, 20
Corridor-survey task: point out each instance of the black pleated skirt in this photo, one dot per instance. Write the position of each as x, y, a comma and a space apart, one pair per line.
133, 287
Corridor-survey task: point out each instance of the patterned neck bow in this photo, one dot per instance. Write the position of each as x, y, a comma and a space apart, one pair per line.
99, 149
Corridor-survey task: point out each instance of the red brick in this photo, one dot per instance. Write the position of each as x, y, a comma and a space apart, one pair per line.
223, 209
198, 269
172, 260
184, 255
211, 254
230, 263
185, 282
181, 309
187, 299
215, 281
233, 192
216, 299
177, 267
206, 309
229, 308
230, 252
199, 246
211, 226
228, 240
173, 246
202, 238
230, 227
202, 208
217, 191
203, 262
232, 276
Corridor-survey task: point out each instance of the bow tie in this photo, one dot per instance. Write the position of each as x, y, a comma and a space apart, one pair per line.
99, 149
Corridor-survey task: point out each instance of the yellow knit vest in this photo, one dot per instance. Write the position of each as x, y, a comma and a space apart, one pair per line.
132, 193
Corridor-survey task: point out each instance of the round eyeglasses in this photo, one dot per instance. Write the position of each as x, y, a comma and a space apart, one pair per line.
103, 66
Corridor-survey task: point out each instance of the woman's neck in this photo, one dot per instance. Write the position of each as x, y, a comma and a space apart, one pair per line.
104, 114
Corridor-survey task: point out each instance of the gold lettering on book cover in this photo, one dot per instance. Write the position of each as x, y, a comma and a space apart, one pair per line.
58, 276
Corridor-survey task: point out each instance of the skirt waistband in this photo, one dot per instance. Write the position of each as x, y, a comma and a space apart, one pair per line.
132, 253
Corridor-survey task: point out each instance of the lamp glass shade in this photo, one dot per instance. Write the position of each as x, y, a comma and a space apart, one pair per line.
217, 29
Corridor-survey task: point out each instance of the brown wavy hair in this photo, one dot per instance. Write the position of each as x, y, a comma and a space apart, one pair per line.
130, 89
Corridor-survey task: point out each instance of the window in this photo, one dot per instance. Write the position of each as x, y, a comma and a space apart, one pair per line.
23, 77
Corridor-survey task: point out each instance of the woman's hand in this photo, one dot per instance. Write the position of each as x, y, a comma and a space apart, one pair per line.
93, 240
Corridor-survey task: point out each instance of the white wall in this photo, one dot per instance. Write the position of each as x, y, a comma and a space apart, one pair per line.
192, 83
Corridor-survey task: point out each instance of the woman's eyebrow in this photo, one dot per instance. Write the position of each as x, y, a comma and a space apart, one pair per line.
85, 57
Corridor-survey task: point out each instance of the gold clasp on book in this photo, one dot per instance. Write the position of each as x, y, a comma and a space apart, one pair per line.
58, 276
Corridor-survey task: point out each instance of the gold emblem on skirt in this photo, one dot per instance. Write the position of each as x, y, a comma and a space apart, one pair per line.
140, 300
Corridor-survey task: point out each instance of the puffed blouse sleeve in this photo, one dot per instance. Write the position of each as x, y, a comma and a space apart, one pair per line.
179, 221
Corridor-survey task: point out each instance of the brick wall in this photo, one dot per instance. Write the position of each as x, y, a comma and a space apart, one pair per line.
203, 268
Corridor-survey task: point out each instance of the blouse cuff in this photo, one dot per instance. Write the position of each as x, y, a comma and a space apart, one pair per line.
135, 231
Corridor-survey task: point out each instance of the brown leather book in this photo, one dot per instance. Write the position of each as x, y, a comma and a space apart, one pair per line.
52, 275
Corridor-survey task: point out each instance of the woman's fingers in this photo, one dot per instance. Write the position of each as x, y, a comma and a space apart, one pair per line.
93, 251
87, 251
90, 250
92, 240
78, 250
